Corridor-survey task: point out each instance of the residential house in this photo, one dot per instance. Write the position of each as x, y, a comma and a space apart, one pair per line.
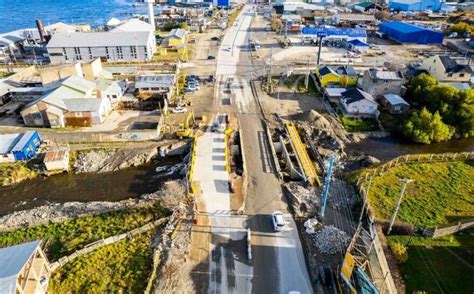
176, 39
379, 82
112, 90
132, 41
334, 95
24, 269
394, 103
74, 103
161, 85
21, 146
337, 76
358, 104
447, 69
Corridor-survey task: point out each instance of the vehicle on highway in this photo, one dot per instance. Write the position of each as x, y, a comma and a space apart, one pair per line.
180, 110
279, 222
210, 57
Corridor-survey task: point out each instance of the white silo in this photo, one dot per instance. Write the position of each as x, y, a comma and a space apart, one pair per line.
151, 13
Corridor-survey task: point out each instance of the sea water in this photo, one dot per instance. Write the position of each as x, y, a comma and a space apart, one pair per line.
19, 14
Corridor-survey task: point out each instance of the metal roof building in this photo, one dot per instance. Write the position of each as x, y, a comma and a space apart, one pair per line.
347, 34
22, 146
415, 5
24, 269
408, 33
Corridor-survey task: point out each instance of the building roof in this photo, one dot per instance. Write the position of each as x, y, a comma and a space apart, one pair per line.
354, 95
133, 25
7, 141
79, 84
12, 261
154, 81
403, 27
350, 32
395, 99
98, 39
334, 92
83, 104
103, 84
459, 86
357, 42
177, 33
355, 17
364, 4
452, 66
338, 70
23, 140
376, 74
54, 155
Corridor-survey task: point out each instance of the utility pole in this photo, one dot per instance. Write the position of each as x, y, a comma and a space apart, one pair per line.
397, 206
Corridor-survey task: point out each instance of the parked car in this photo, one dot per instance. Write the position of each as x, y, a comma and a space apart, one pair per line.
192, 77
210, 79
193, 87
279, 222
179, 110
210, 57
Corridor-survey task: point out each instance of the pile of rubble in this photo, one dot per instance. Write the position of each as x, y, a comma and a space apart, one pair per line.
304, 200
331, 240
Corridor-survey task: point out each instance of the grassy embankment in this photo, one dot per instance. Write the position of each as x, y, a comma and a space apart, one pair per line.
15, 172
121, 266
358, 125
443, 193
443, 263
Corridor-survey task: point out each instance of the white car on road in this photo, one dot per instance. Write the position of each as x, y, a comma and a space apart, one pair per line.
279, 222
179, 110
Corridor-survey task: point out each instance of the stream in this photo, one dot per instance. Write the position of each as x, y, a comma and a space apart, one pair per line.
389, 147
109, 186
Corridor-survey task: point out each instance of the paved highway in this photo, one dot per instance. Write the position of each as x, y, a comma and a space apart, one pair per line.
278, 264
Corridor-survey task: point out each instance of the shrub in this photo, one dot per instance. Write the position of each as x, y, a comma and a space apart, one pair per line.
399, 252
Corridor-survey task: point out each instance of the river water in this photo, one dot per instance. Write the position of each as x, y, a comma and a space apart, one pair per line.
390, 147
110, 186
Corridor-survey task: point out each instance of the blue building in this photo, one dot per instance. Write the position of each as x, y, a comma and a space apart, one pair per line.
21, 146
408, 33
343, 34
415, 5
221, 3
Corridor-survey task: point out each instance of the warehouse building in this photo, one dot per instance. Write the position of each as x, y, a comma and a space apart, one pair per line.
408, 33
340, 34
415, 5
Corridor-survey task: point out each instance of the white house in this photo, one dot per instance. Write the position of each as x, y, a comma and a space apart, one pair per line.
359, 104
132, 41
111, 90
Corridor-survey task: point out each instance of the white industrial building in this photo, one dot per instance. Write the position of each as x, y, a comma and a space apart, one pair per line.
132, 41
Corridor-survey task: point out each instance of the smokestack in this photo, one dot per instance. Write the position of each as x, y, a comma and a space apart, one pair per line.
39, 25
151, 13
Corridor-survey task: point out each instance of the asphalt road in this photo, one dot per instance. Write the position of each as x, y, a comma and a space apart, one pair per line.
278, 261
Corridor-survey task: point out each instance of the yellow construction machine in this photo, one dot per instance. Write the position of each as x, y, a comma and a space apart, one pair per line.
185, 129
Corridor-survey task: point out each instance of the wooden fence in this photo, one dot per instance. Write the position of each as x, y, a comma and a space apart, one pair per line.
364, 182
107, 241
443, 231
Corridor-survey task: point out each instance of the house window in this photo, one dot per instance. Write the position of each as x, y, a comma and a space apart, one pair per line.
90, 52
36, 141
107, 55
77, 53
133, 52
461, 75
450, 75
36, 115
114, 96
119, 53
65, 54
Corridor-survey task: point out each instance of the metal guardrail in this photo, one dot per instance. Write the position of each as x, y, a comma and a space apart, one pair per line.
308, 166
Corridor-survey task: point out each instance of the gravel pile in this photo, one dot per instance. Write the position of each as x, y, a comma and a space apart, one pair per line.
304, 200
331, 240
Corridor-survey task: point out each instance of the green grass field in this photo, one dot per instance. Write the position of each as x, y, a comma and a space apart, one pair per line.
66, 237
358, 125
122, 267
442, 193
438, 265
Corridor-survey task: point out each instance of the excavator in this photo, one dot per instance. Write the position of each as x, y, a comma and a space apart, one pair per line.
185, 129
